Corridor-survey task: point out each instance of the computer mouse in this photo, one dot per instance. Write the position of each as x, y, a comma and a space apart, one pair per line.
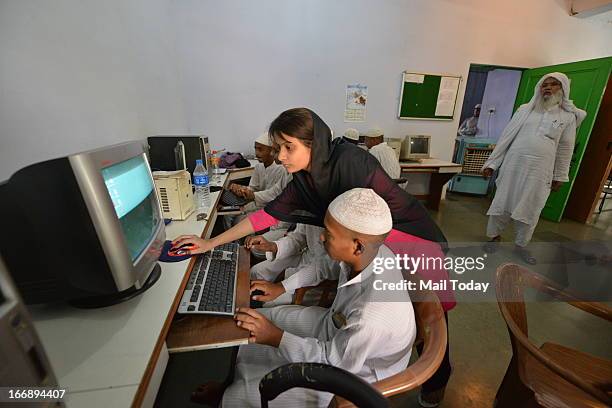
184, 246
256, 304
167, 255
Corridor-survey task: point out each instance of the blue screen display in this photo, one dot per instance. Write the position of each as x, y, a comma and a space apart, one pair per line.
130, 187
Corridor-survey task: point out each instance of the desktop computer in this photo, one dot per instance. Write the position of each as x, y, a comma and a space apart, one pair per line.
416, 147
85, 228
169, 153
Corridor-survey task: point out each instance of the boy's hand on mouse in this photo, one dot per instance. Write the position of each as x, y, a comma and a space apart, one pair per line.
270, 290
262, 330
234, 188
260, 243
198, 245
248, 194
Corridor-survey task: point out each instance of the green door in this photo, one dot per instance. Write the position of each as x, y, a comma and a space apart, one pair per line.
588, 82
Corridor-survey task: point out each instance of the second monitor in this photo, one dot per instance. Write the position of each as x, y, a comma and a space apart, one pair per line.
416, 147
170, 153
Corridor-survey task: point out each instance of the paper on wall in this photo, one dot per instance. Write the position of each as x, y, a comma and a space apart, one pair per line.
415, 78
356, 99
445, 105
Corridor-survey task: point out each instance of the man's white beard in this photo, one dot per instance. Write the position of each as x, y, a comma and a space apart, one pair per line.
545, 103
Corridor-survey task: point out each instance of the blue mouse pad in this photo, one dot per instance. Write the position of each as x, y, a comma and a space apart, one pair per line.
166, 257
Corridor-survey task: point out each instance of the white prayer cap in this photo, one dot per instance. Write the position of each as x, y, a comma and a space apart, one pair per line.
351, 133
362, 210
376, 132
264, 139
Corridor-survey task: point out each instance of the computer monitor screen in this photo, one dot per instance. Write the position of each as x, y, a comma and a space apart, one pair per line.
131, 190
419, 145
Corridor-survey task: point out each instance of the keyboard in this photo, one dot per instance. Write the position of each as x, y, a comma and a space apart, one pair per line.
230, 199
211, 288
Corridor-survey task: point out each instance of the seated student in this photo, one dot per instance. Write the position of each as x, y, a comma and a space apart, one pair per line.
300, 254
361, 332
351, 135
378, 148
268, 180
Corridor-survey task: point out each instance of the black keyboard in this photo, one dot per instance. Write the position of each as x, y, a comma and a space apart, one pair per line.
230, 199
211, 288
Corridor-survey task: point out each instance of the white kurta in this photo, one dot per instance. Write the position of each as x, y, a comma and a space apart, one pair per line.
540, 153
374, 342
300, 251
268, 182
387, 158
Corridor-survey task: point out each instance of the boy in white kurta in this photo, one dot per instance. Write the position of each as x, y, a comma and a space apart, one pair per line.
533, 157
267, 182
361, 332
384, 153
300, 254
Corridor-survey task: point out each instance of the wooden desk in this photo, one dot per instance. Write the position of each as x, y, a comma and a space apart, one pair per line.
440, 172
198, 332
235, 174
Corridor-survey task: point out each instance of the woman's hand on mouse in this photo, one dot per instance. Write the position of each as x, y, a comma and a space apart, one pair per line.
199, 245
270, 290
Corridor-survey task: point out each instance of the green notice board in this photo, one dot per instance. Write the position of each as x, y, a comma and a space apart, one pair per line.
428, 96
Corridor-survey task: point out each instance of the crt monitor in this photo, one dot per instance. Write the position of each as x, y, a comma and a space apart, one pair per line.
415, 147
85, 228
178, 152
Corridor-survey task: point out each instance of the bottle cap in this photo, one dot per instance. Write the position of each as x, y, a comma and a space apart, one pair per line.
198, 161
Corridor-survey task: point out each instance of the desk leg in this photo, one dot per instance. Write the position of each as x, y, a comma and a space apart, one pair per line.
436, 183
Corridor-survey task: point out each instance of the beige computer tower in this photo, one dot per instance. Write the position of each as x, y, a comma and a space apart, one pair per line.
175, 194
395, 144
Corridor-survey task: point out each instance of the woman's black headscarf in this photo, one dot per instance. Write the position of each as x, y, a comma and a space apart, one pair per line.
337, 167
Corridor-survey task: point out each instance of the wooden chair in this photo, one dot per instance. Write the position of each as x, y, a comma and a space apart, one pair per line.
551, 375
431, 330
328, 292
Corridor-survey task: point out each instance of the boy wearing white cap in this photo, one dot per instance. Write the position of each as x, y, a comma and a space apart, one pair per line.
268, 180
351, 135
362, 332
384, 153
300, 254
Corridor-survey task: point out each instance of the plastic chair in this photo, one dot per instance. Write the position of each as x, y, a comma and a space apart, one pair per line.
551, 375
320, 377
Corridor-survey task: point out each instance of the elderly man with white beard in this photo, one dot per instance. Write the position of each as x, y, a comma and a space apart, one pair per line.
533, 157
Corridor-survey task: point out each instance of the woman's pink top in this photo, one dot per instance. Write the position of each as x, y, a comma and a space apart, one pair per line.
399, 243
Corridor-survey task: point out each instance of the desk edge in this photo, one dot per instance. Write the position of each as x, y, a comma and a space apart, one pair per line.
161, 340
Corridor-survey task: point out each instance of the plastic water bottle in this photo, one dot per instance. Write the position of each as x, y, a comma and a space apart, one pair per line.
202, 188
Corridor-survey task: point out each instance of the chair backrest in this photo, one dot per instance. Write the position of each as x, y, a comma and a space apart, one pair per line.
321, 377
431, 330
511, 279
328, 290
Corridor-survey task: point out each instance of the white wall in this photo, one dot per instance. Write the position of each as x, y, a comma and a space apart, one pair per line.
243, 62
80, 74
76, 75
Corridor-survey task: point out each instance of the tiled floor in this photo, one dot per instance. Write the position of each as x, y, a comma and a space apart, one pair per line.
480, 346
